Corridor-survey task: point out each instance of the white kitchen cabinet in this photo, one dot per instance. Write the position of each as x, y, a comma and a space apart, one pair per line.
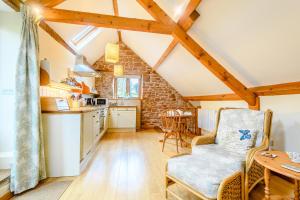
122, 118
87, 132
62, 144
69, 138
127, 119
113, 118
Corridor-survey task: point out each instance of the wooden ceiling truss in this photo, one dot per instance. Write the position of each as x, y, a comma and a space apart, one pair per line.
162, 24
199, 53
268, 90
116, 12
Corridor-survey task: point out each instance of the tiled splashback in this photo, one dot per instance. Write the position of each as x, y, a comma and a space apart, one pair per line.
52, 92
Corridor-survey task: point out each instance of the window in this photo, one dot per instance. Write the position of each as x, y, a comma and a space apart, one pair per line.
127, 87
84, 36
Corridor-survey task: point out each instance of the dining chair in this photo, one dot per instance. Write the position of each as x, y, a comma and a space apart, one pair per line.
170, 125
187, 124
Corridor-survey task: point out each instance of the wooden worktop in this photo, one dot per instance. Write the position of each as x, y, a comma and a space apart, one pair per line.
81, 109
122, 106
73, 110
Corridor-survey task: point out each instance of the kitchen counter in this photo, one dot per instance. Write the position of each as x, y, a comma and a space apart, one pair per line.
81, 109
122, 106
74, 110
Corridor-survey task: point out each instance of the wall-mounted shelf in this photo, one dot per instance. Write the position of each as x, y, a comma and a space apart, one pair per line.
62, 86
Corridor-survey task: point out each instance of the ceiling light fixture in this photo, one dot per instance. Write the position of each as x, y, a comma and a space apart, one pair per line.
112, 53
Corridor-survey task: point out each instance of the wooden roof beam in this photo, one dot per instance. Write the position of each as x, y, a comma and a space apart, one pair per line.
217, 97
116, 11
56, 37
46, 3
267, 90
278, 89
198, 52
14, 4
106, 21
186, 21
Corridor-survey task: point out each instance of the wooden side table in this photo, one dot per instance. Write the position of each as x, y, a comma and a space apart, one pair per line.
274, 164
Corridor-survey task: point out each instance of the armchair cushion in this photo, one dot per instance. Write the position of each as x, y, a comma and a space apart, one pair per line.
241, 119
204, 173
217, 151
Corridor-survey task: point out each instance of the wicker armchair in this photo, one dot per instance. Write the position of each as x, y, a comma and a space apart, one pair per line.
235, 186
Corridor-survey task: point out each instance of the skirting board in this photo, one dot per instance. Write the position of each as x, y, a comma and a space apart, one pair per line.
122, 130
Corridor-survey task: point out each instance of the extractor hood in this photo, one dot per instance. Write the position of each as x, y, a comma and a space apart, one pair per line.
83, 68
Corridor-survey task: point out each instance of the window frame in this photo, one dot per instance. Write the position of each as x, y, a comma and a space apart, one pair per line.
128, 77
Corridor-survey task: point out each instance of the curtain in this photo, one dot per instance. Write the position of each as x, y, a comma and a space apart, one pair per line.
28, 166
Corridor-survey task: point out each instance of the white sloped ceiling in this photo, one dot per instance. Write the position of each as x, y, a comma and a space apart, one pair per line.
149, 46
257, 41
188, 76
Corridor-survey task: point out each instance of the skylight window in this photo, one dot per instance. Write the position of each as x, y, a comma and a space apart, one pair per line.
82, 38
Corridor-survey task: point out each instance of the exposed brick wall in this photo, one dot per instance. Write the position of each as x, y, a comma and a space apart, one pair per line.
158, 95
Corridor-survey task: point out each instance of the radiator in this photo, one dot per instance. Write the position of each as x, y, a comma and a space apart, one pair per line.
207, 119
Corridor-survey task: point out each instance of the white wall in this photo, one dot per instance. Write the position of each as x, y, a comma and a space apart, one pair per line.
59, 57
9, 45
286, 118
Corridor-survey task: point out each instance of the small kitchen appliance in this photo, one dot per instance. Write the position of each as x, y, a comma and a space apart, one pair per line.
100, 101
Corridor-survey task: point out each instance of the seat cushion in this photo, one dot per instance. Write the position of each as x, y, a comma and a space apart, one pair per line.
217, 151
205, 171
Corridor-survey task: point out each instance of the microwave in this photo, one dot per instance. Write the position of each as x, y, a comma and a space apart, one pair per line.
100, 101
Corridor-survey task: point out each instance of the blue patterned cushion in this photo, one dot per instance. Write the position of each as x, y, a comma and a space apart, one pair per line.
239, 141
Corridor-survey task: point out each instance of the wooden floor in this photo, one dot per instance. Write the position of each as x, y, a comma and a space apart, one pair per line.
131, 166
